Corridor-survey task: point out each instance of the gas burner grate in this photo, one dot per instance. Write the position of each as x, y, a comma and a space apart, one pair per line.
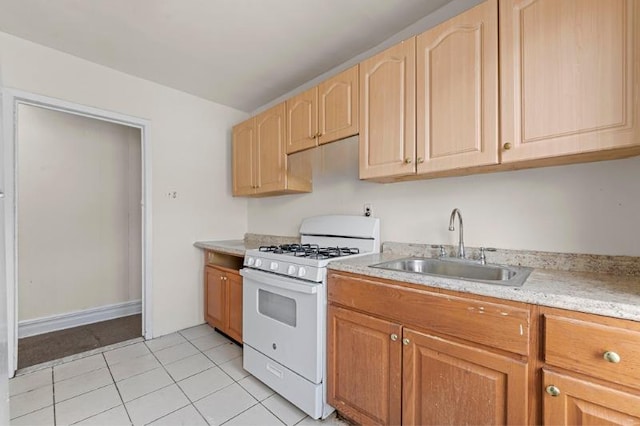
311, 251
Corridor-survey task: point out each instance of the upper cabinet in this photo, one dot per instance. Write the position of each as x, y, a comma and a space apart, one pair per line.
507, 84
387, 112
325, 113
569, 77
457, 92
447, 78
260, 163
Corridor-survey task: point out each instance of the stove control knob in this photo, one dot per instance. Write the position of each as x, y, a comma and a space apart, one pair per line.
250, 261
302, 272
258, 263
291, 270
273, 266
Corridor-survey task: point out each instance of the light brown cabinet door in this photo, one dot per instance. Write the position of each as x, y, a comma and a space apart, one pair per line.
244, 158
270, 149
387, 112
216, 298
580, 402
457, 92
234, 292
364, 362
569, 77
445, 382
302, 121
338, 106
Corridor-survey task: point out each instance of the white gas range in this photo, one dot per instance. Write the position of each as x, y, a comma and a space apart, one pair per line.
284, 306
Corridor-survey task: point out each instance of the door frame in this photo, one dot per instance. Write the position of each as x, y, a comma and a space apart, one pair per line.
11, 99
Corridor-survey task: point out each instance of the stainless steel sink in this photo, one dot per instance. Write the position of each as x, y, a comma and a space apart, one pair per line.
462, 269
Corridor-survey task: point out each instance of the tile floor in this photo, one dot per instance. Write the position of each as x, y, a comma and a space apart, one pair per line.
192, 377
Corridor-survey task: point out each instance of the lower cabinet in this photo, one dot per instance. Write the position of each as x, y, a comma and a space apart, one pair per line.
223, 300
591, 373
382, 371
569, 400
449, 383
364, 363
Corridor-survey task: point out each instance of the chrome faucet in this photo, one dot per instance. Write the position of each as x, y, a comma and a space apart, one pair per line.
460, 231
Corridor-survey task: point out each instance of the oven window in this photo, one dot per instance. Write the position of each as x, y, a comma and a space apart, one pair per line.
280, 308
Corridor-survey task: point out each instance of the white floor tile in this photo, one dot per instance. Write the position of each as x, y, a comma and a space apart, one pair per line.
256, 415
165, 341
234, 369
126, 353
78, 367
225, 404
134, 367
204, 383
176, 353
284, 410
42, 417
197, 331
84, 383
115, 416
87, 405
224, 353
142, 384
187, 416
210, 341
156, 404
30, 381
189, 366
30, 401
256, 388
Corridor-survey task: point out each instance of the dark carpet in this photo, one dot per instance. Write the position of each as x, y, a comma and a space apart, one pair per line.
58, 344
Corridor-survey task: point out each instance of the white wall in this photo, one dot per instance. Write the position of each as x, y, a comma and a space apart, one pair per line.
79, 213
584, 208
190, 140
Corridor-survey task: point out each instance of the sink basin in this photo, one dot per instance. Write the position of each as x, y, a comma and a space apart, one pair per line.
462, 269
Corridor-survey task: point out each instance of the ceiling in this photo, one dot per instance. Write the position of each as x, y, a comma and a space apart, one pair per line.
240, 53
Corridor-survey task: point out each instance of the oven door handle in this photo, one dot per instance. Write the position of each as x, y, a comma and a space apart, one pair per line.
280, 282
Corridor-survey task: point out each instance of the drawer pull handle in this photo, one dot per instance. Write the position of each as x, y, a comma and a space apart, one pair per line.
553, 390
612, 357
394, 337
405, 341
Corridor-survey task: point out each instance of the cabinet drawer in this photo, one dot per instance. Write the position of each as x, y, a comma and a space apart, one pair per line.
492, 324
580, 345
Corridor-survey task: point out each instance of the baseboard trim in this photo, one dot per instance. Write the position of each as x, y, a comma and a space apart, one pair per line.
37, 326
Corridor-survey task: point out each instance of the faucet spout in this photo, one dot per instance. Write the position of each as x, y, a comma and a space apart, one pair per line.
455, 212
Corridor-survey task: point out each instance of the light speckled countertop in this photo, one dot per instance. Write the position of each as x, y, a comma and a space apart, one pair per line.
605, 294
232, 247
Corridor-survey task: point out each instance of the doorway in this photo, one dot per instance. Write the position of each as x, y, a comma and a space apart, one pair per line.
69, 234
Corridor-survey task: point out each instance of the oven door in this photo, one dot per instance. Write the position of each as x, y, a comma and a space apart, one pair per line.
283, 318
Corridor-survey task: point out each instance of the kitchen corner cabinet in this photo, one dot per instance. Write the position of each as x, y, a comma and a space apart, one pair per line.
260, 163
457, 92
569, 75
398, 355
223, 296
388, 112
325, 113
592, 369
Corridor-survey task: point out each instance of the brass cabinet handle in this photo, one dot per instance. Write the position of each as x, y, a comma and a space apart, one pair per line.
553, 390
319, 134
407, 160
612, 357
420, 160
394, 337
507, 146
406, 341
